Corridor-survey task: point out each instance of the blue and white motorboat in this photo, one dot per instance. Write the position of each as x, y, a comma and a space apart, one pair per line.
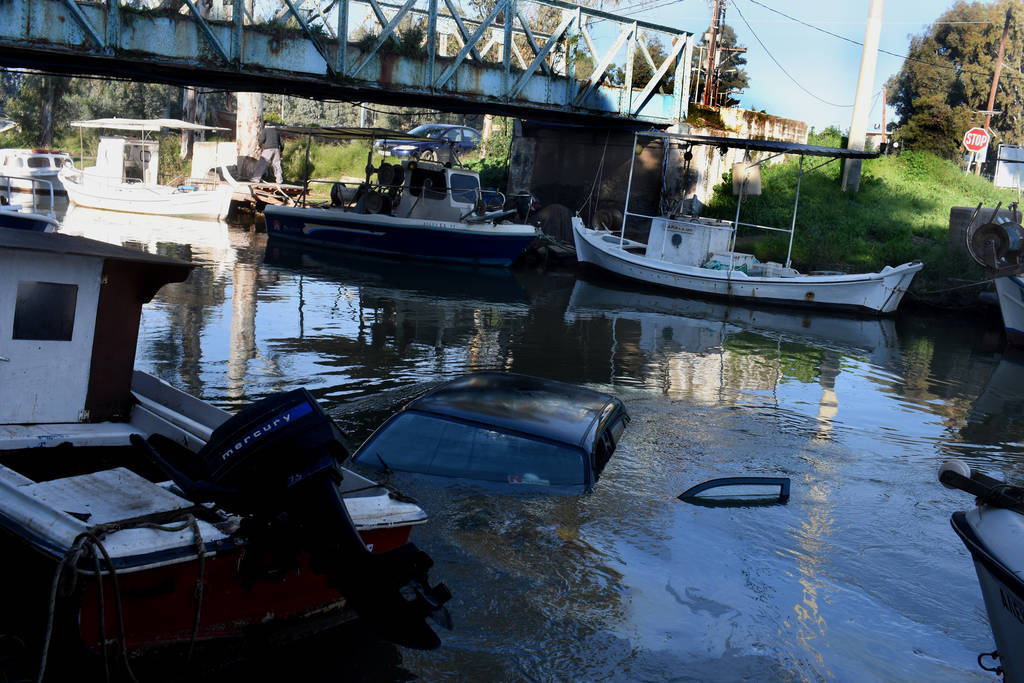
415, 209
30, 217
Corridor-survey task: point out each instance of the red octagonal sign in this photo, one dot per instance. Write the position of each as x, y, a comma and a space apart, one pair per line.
976, 139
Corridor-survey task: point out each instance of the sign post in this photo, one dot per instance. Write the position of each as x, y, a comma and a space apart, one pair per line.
976, 140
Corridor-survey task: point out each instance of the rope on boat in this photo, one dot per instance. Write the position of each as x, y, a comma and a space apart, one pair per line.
65, 579
953, 289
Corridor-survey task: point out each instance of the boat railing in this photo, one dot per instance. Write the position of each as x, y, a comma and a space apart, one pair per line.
5, 190
457, 195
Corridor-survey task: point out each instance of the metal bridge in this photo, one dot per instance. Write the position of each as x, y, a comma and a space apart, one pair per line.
535, 58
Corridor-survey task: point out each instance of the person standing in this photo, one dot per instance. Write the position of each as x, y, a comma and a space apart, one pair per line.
270, 143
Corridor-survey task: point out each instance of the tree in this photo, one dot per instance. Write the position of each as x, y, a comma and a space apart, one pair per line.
947, 75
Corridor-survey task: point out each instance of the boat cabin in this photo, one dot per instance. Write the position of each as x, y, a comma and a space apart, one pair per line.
437, 192
126, 160
23, 162
69, 320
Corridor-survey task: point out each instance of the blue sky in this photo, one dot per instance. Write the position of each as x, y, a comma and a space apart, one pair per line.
824, 65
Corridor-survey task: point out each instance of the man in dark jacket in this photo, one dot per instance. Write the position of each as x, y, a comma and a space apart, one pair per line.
270, 143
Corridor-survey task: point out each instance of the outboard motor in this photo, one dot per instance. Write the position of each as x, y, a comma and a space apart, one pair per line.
277, 463
998, 244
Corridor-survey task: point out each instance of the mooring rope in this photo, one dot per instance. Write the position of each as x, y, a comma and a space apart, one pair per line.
91, 540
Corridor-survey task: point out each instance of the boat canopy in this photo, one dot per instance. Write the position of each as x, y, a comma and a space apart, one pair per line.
348, 133
117, 123
774, 146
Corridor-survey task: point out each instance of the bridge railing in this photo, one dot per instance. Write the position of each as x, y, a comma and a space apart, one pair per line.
545, 54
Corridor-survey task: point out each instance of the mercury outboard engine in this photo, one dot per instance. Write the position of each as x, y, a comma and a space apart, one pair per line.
277, 463
998, 244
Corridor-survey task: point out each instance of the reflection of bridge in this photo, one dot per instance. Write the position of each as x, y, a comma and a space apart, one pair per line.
542, 58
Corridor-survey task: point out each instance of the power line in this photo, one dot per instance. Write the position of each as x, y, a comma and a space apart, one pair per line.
951, 67
782, 68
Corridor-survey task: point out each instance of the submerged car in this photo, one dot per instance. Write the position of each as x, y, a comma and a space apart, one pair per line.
443, 139
522, 431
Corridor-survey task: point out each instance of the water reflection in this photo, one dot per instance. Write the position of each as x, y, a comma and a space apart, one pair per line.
858, 577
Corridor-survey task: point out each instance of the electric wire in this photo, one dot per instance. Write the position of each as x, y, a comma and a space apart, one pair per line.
953, 67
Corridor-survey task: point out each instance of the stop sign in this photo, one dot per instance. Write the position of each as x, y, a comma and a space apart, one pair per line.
976, 139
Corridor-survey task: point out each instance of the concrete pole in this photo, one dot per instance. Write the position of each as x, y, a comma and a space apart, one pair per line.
862, 101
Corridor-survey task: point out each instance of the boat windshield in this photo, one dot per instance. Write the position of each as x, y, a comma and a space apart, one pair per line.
465, 187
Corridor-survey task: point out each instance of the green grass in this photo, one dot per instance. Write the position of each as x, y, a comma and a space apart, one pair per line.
901, 213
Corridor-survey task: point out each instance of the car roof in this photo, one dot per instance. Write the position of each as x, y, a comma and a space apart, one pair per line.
549, 409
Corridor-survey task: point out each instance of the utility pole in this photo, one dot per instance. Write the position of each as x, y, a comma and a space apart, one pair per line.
995, 82
711, 78
884, 104
862, 100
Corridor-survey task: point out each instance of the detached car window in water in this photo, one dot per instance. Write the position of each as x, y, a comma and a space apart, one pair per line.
433, 445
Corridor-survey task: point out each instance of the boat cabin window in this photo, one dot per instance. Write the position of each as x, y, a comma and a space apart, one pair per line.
465, 187
39, 162
45, 311
429, 184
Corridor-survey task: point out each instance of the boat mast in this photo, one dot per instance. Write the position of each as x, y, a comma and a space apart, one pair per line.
796, 202
629, 185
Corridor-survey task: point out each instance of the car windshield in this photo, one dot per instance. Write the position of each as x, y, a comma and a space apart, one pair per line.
428, 444
429, 131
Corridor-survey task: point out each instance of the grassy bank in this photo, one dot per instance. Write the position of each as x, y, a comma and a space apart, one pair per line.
901, 213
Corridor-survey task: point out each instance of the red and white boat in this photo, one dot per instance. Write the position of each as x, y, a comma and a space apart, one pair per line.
174, 520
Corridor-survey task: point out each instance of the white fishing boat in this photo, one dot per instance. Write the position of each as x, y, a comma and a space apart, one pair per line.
698, 255
27, 165
148, 518
125, 177
993, 532
997, 244
415, 209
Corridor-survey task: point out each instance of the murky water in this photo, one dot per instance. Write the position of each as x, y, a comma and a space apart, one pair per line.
859, 577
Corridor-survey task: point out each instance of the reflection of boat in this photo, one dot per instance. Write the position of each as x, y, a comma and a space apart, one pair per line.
997, 415
412, 210
700, 324
258, 528
21, 218
125, 175
431, 281
35, 164
992, 533
118, 228
697, 255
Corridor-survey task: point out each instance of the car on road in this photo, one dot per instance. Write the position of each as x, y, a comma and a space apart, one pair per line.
441, 140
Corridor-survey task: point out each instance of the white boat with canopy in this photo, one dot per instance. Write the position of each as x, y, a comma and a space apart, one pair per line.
125, 175
695, 254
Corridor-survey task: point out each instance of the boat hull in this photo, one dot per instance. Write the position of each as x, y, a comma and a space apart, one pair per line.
1011, 303
156, 200
873, 293
484, 244
988, 537
233, 604
24, 220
